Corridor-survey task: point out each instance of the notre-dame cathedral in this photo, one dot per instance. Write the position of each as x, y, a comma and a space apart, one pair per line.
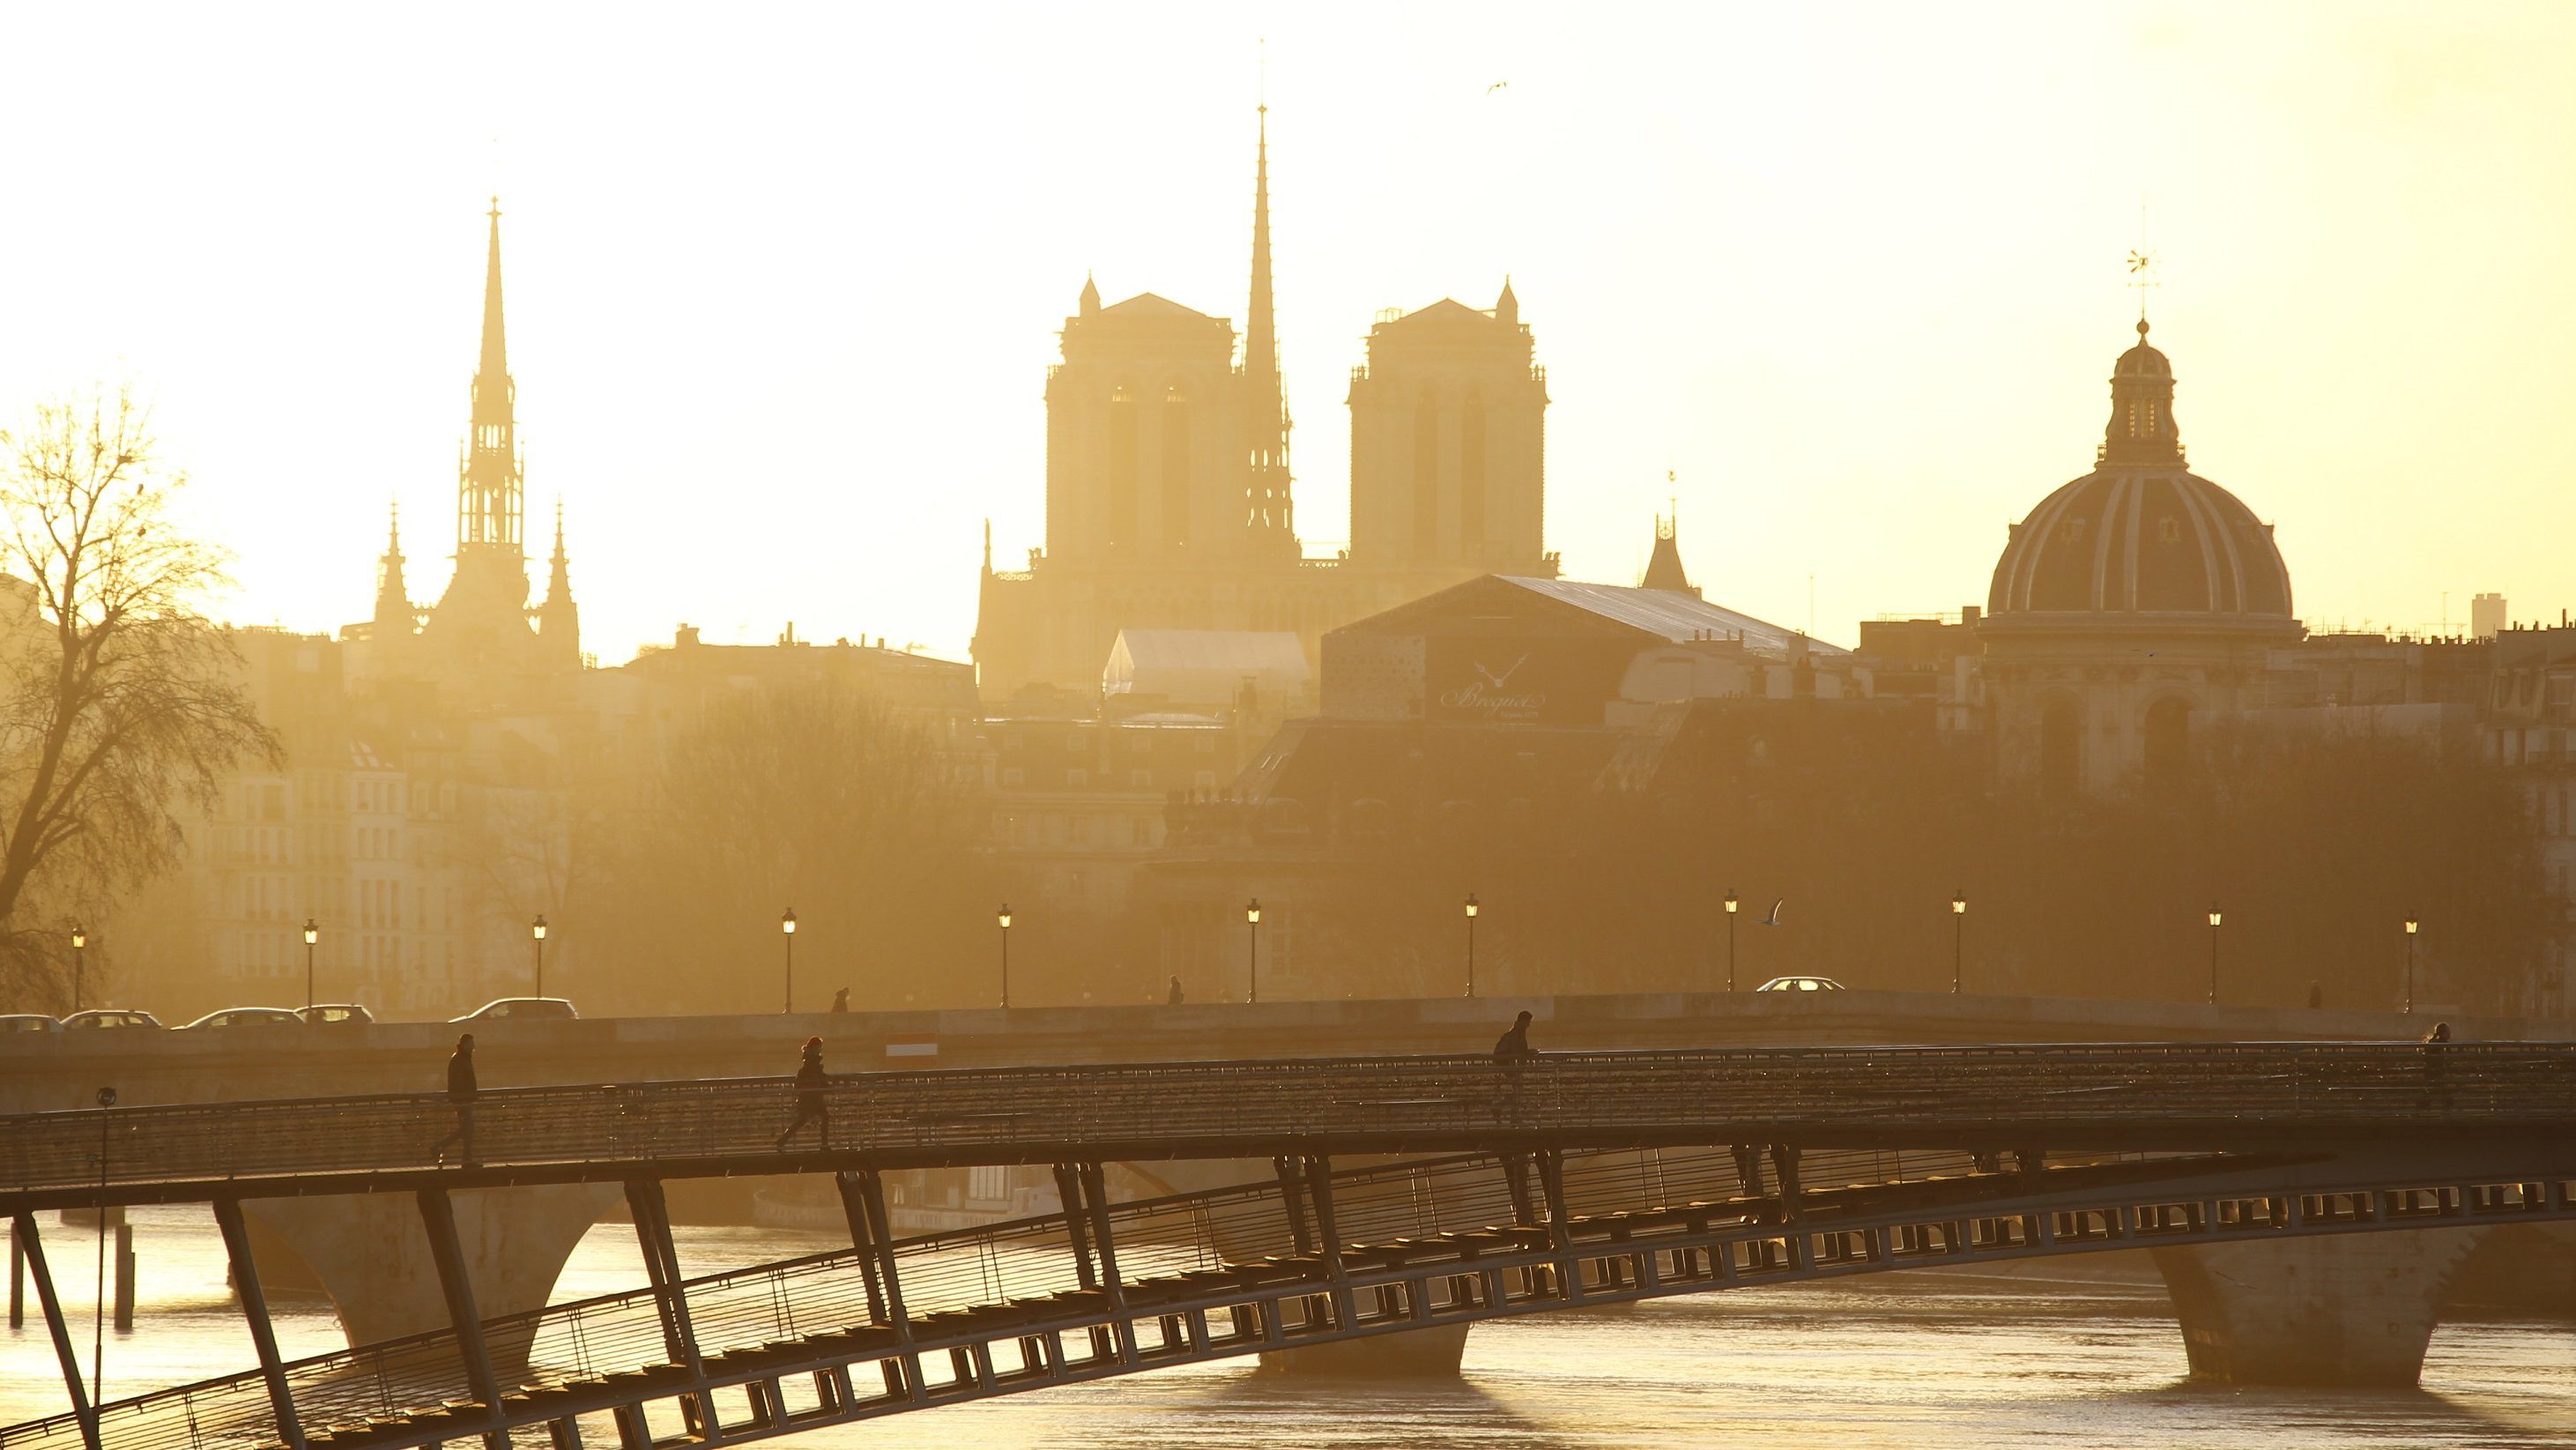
1169, 500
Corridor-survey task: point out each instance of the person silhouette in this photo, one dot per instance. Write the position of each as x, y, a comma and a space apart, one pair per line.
1512, 1052
811, 1105
841, 1000
462, 1089
1173, 997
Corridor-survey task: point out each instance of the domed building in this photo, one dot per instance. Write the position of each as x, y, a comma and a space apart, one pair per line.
2128, 600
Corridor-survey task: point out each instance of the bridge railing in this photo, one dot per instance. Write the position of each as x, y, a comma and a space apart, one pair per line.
1198, 1109
822, 1293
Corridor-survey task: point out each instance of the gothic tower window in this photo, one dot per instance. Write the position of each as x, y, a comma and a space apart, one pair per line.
1122, 467
1471, 475
1426, 477
1176, 467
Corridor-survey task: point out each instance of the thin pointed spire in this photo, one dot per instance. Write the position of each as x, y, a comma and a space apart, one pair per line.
489, 484
393, 595
496, 350
1269, 510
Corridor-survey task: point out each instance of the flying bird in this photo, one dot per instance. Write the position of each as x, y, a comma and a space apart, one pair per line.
1774, 918
1497, 86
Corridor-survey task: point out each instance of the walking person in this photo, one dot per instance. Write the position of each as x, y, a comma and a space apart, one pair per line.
461, 1092
811, 1105
1512, 1053
2436, 1048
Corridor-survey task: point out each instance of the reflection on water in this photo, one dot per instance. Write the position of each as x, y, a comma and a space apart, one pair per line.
1889, 1364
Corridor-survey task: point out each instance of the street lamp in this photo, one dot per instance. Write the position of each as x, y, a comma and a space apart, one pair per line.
80, 961
1004, 917
787, 933
2213, 954
312, 934
1958, 935
1252, 949
1731, 904
537, 936
2411, 925
1471, 944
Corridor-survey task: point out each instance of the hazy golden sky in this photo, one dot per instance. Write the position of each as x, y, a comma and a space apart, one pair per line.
783, 284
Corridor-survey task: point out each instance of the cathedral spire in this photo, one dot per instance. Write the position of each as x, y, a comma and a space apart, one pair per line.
1269, 511
489, 485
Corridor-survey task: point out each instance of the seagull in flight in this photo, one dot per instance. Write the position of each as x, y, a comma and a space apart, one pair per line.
1774, 918
1497, 86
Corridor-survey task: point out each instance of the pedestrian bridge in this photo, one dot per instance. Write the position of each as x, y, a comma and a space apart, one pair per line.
1580, 1179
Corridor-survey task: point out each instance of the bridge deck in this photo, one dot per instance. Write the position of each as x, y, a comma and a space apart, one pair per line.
2199, 1097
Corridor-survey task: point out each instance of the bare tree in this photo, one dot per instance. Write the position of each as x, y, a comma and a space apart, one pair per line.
120, 703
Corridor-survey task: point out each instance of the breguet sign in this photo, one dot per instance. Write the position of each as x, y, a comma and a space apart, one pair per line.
1507, 681
1491, 694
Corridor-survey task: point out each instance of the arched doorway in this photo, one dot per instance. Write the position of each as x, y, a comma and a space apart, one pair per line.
2061, 745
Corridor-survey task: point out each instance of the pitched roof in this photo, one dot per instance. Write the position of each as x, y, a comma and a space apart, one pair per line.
1676, 617
1148, 305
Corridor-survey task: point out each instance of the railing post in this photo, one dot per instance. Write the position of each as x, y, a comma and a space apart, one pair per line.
1328, 1236
854, 1209
652, 1215
1560, 1238
881, 1239
438, 1218
1292, 1199
263, 1334
1077, 1233
22, 1229
1095, 1195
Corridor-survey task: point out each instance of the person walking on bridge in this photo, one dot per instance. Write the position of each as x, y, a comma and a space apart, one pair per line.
1512, 1053
811, 1105
2436, 1048
461, 1092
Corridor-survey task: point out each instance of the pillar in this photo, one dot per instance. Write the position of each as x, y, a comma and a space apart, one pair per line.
2338, 1310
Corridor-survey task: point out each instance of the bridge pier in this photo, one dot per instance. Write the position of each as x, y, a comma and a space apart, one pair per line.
372, 1255
2349, 1310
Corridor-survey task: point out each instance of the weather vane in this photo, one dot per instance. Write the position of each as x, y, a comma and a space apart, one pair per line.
2142, 276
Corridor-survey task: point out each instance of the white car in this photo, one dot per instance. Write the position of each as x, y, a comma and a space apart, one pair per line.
1800, 984
28, 1022
521, 1009
247, 1017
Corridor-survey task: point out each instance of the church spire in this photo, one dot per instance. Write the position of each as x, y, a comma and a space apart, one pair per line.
393, 597
1269, 513
489, 485
559, 619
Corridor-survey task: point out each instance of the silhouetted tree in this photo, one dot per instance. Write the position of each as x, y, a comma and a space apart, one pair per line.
120, 703
810, 795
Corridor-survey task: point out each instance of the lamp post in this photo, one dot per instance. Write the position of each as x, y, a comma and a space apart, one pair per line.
1004, 917
2411, 925
312, 934
537, 939
1731, 904
787, 934
1471, 944
80, 961
2213, 954
1252, 949
1958, 936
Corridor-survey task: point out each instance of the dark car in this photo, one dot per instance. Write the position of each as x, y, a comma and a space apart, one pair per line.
247, 1017
329, 1014
521, 1009
110, 1017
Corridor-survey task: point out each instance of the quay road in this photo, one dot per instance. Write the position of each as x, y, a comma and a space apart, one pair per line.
2206, 1097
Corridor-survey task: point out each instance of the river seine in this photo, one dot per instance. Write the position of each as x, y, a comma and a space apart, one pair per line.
1896, 1363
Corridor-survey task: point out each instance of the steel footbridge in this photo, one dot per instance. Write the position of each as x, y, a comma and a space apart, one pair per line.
1557, 1183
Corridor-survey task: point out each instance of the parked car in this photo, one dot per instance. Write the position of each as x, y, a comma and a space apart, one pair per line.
29, 1022
1800, 984
247, 1017
520, 1009
323, 1014
110, 1017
